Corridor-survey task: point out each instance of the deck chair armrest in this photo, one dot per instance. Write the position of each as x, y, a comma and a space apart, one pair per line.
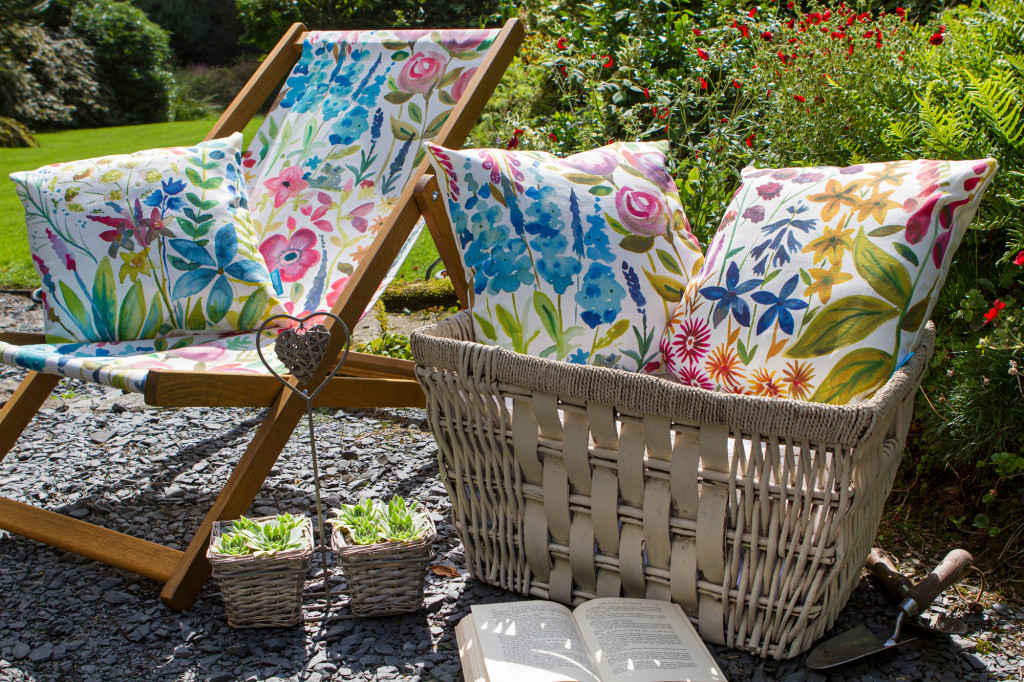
22, 338
428, 198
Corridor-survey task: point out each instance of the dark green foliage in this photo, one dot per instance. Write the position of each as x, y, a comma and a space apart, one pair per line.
432, 293
131, 54
14, 134
202, 31
266, 20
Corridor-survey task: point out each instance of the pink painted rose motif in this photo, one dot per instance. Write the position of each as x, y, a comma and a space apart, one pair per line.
422, 72
412, 35
286, 186
462, 41
642, 212
460, 85
594, 161
291, 256
652, 166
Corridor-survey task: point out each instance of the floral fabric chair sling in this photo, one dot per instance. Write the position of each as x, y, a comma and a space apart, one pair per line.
323, 173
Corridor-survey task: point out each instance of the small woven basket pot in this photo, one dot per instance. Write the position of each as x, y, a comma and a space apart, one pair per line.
387, 577
261, 591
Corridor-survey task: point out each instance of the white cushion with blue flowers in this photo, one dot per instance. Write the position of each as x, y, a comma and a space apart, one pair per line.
150, 244
579, 259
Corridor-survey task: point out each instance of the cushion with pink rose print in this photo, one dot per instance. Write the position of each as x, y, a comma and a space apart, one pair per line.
139, 246
819, 281
579, 259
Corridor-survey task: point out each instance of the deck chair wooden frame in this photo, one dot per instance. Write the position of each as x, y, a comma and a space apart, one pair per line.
370, 381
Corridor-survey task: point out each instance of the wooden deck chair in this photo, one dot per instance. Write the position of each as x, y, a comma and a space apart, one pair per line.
359, 132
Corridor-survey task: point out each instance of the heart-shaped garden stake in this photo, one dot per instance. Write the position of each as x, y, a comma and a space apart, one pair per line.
301, 350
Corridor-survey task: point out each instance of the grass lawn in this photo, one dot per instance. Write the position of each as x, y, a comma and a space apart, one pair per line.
16, 271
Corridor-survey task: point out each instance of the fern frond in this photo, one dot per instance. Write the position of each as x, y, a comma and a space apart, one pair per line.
999, 99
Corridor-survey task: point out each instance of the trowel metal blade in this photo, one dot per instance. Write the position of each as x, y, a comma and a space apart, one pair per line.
849, 646
940, 623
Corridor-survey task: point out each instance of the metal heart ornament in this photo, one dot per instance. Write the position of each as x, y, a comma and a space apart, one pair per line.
302, 348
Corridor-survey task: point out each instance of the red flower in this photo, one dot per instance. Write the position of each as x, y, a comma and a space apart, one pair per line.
752, 12
702, 54
936, 39
850, 50
789, 24
608, 61
783, 57
696, 31
767, 36
703, 84
819, 100
562, 43
993, 312
1019, 260
800, 98
736, 84
514, 141
865, 16
553, 137
724, 120
789, 5
647, 94
851, 20
750, 140
745, 31
563, 70
900, 11
869, 33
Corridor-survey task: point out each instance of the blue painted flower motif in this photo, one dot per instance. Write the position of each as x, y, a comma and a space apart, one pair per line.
201, 269
729, 297
508, 267
600, 296
350, 126
778, 306
578, 357
778, 248
596, 237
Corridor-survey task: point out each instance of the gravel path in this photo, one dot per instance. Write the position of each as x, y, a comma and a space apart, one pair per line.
97, 454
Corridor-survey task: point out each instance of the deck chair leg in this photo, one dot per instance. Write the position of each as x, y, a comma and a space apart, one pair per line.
181, 591
22, 406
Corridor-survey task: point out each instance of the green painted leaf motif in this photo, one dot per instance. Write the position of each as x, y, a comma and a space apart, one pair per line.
196, 319
733, 252
548, 313
805, 277
252, 311
486, 328
617, 226
194, 177
635, 243
415, 113
669, 288
154, 320
451, 77
583, 178
669, 261
402, 130
855, 374
75, 307
614, 332
208, 204
600, 190
907, 253
512, 327
914, 318
883, 273
496, 193
400, 56
398, 97
886, 230
446, 98
395, 44
132, 314
435, 125
770, 276
211, 183
193, 199
104, 300
841, 323
187, 226
745, 355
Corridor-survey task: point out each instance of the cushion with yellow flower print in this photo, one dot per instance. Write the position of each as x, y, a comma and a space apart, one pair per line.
149, 244
580, 259
820, 280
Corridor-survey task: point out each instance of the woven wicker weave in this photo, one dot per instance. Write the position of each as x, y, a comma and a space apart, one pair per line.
388, 577
261, 591
571, 482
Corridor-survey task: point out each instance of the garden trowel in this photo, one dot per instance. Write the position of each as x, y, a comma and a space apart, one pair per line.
860, 641
897, 585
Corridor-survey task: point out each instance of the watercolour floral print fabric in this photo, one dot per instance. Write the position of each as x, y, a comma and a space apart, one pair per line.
819, 280
330, 161
579, 259
150, 244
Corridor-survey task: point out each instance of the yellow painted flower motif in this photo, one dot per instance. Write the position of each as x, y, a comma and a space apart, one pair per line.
723, 367
763, 382
888, 175
797, 376
877, 205
824, 280
831, 245
135, 264
835, 195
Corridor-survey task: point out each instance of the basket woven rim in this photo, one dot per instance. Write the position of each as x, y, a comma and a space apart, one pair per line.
219, 558
345, 549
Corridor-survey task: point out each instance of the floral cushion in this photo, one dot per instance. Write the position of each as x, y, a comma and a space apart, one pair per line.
820, 280
149, 244
579, 259
332, 158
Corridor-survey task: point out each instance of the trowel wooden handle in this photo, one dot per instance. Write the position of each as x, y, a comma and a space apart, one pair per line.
955, 566
894, 582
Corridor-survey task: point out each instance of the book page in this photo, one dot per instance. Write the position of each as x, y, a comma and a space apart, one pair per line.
644, 640
534, 640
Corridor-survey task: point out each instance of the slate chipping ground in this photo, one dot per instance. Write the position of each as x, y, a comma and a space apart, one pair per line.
97, 454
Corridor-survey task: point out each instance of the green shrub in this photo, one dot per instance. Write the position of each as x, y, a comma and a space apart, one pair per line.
131, 54
201, 31
14, 134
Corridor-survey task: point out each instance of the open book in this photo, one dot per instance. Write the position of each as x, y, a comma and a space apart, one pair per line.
603, 640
